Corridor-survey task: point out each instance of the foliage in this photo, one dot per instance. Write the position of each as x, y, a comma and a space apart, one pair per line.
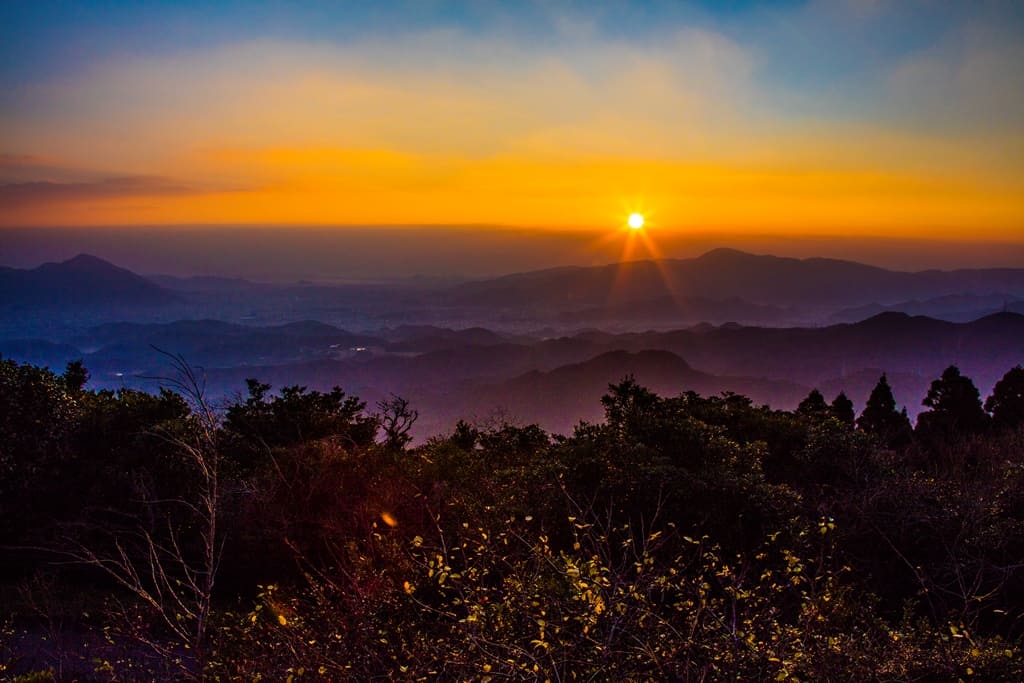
881, 419
38, 414
842, 409
254, 427
1006, 404
680, 538
955, 408
813, 405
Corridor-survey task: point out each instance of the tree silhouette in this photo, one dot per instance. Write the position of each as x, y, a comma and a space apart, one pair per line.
842, 409
1006, 404
627, 405
297, 415
955, 407
813, 405
75, 376
396, 421
881, 419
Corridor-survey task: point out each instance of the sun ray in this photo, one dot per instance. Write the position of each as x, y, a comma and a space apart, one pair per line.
638, 245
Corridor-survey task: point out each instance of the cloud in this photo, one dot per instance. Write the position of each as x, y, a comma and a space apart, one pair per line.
972, 81
461, 125
437, 92
17, 195
18, 160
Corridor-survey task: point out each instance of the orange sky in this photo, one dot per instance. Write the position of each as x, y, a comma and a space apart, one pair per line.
700, 127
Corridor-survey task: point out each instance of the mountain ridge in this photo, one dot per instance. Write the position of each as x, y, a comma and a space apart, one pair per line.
728, 273
82, 280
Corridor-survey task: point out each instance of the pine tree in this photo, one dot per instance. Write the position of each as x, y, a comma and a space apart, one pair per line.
881, 418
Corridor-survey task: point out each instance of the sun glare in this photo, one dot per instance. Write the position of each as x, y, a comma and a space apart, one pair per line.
636, 221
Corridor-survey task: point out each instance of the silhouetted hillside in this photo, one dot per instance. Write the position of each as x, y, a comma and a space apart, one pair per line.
559, 398
81, 281
892, 342
954, 307
447, 373
727, 273
421, 338
39, 352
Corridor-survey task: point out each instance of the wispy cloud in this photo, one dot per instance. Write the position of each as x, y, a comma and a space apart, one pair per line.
18, 195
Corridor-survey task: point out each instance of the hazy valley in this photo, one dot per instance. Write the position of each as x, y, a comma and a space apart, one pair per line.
532, 347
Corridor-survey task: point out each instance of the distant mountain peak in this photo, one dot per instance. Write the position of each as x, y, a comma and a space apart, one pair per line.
726, 253
86, 259
888, 316
84, 280
1002, 316
82, 263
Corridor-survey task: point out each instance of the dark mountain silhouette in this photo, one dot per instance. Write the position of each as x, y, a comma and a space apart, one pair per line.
556, 397
892, 342
727, 273
954, 307
423, 338
455, 373
39, 352
81, 281
560, 398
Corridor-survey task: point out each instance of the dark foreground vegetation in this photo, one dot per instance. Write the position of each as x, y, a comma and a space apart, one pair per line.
297, 536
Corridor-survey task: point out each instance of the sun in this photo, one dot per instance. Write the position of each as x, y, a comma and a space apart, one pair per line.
636, 221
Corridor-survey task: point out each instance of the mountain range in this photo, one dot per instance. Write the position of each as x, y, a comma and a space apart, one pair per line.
722, 285
541, 346
724, 274
552, 380
952, 307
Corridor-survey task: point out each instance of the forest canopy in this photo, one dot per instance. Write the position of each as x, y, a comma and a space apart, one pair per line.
297, 534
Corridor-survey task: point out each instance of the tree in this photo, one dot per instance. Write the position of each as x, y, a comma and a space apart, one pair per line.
38, 417
261, 423
627, 405
813, 406
396, 420
955, 407
842, 409
1006, 404
465, 435
881, 419
75, 376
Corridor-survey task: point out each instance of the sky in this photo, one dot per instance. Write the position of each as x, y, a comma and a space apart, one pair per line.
840, 118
